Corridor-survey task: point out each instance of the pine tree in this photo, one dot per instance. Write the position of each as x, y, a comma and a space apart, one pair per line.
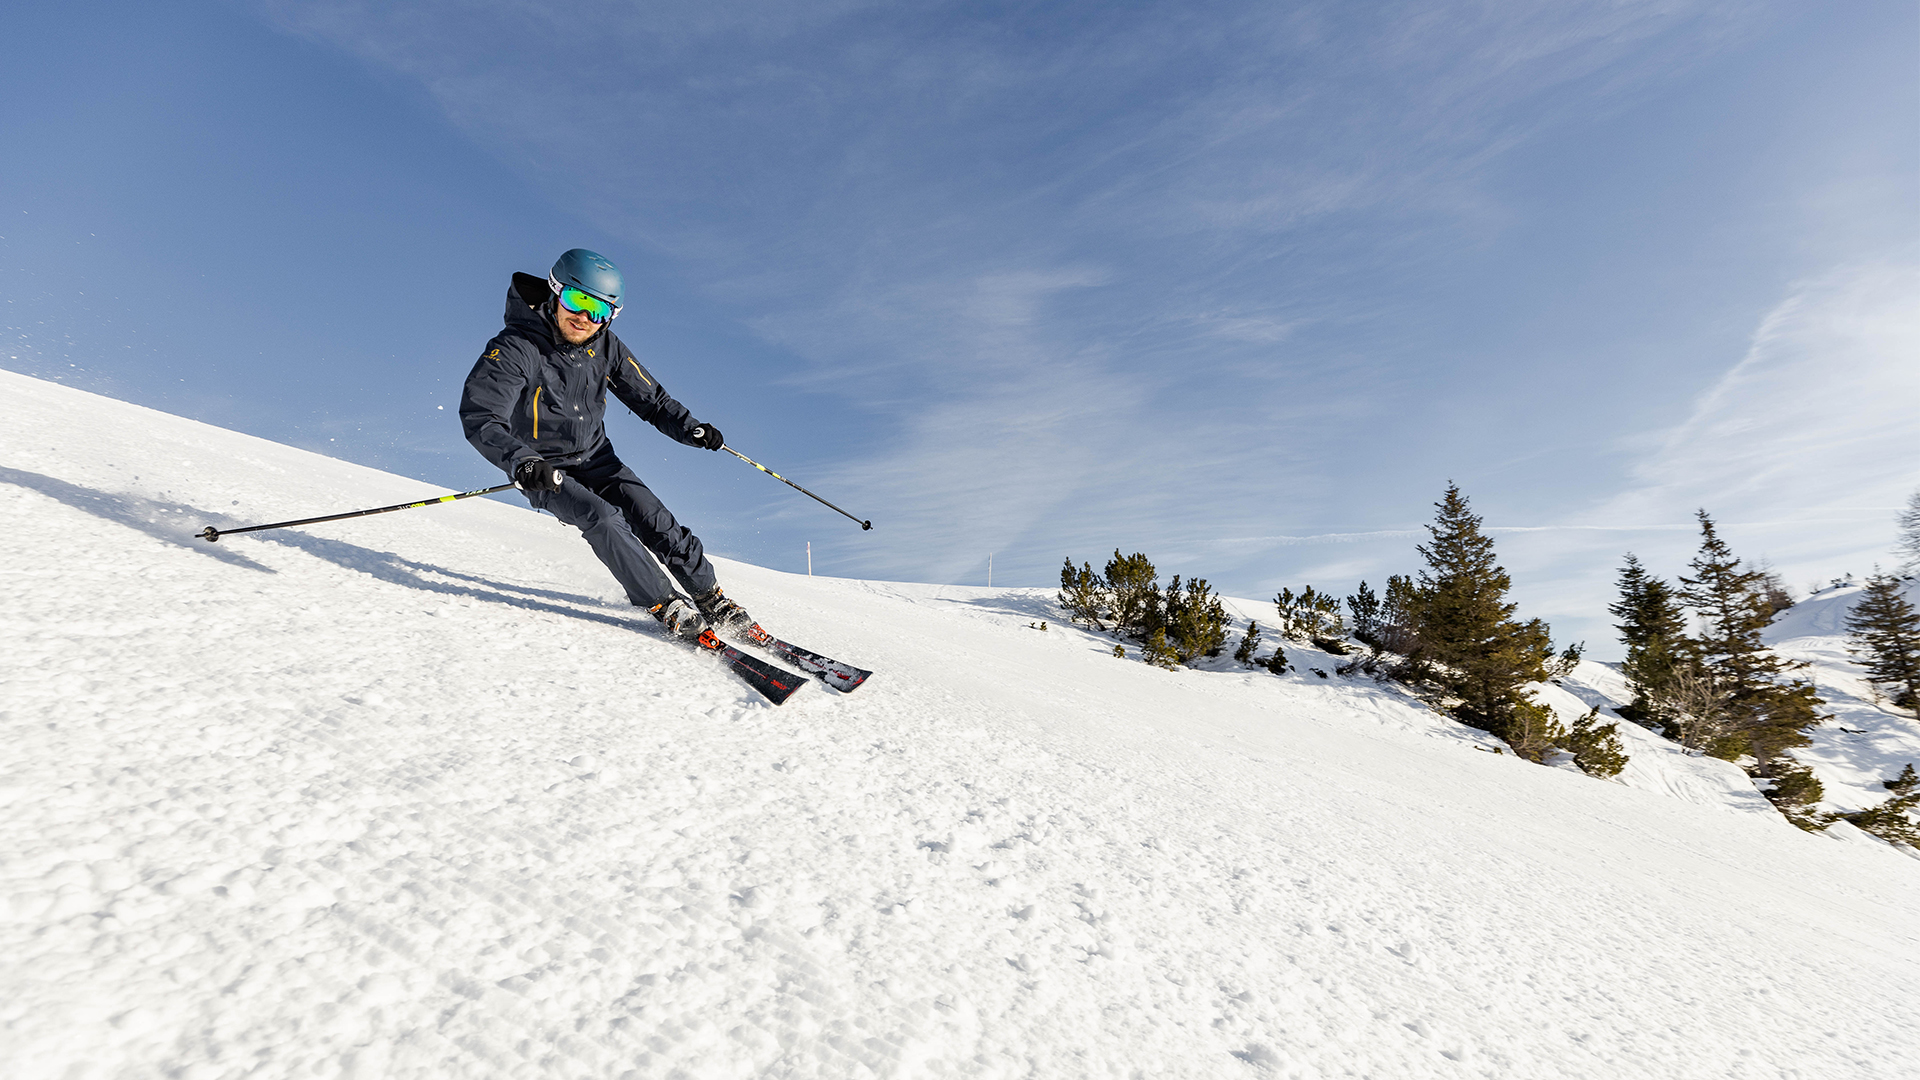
1569, 658
1474, 650
1365, 608
1310, 615
1654, 630
1596, 747
1158, 651
1774, 595
1196, 623
1248, 644
1399, 625
1765, 715
1892, 820
1133, 594
1793, 789
1886, 636
1532, 731
1277, 663
1083, 594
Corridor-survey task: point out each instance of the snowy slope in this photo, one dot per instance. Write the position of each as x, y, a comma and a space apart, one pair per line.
1866, 741
419, 796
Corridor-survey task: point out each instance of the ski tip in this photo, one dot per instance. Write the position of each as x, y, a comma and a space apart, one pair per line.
847, 682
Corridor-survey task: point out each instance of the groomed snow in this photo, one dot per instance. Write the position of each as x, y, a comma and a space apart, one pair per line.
420, 796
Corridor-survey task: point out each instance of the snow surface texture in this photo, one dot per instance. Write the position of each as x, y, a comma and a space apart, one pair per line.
420, 796
1867, 741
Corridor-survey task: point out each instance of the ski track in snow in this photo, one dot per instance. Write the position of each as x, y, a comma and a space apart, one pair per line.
420, 796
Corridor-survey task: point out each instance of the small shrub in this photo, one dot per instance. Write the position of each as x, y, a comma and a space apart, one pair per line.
1248, 644
1892, 820
1329, 645
1309, 614
1596, 747
1156, 650
1277, 663
1563, 666
1399, 625
1793, 790
1532, 730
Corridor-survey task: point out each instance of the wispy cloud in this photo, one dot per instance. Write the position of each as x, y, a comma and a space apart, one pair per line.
1803, 451
1100, 275
1820, 415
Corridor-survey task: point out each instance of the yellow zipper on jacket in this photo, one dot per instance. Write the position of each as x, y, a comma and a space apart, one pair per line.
536, 410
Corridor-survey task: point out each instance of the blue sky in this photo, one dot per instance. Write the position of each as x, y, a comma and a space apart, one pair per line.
1238, 285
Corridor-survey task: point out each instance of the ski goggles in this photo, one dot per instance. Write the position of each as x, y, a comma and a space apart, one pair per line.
581, 302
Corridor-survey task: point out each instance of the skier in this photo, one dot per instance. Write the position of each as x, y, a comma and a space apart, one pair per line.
533, 405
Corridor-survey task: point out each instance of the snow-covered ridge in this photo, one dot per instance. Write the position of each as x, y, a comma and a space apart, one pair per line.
419, 796
1867, 741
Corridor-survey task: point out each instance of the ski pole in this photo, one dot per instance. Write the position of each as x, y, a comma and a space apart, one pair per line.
864, 525
212, 535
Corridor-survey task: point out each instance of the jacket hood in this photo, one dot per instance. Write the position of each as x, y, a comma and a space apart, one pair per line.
525, 298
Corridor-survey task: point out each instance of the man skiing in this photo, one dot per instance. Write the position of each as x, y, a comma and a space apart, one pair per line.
534, 405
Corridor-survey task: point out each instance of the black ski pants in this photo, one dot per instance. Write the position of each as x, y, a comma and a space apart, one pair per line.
623, 521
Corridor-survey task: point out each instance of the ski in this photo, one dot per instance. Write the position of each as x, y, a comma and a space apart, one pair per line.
776, 684
841, 676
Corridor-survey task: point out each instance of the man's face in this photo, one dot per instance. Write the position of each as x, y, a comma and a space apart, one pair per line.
574, 326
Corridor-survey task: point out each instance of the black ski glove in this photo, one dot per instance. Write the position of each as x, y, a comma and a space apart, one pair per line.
537, 475
708, 436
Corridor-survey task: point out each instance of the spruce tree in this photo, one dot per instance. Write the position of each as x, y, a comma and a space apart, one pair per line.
1475, 652
1365, 607
1766, 714
1654, 630
1886, 637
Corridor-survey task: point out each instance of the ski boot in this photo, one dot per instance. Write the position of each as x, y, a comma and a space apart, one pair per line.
725, 615
681, 620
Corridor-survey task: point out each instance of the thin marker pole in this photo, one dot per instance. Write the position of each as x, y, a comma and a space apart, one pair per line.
989, 569
809, 558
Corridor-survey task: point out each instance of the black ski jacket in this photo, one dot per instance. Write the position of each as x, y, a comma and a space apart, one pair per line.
532, 395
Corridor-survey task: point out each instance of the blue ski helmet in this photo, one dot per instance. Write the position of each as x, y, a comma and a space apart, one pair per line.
589, 272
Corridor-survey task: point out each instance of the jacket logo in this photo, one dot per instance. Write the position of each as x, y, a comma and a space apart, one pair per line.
589, 352
494, 355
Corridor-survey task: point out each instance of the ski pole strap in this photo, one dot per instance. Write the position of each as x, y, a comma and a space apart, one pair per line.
212, 535
864, 525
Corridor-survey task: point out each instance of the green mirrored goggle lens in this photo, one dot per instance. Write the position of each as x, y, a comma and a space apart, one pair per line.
585, 303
